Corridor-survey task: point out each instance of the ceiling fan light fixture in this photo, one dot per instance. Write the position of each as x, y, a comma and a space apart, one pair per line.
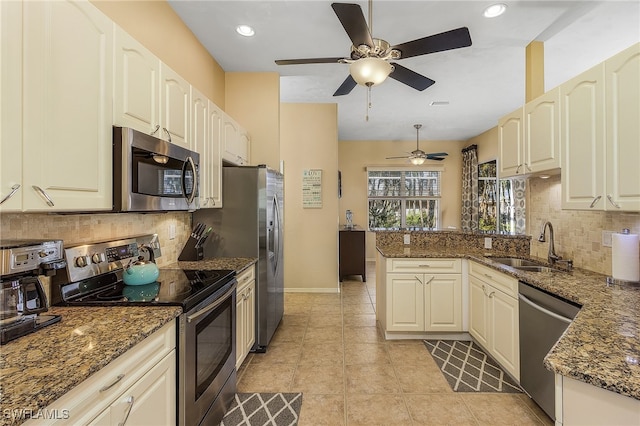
494, 10
370, 71
245, 30
416, 161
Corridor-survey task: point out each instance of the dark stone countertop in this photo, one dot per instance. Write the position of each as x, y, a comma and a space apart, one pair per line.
601, 346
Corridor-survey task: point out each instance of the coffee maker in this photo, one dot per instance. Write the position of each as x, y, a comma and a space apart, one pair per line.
22, 297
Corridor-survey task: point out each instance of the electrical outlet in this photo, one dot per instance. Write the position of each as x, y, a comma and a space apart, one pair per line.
172, 231
606, 238
487, 242
407, 239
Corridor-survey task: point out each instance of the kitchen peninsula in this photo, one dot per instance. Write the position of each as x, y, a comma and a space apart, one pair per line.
601, 346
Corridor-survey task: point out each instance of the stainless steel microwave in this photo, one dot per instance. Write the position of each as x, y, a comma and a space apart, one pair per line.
150, 174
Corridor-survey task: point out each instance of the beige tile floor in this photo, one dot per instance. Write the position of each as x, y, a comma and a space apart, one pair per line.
329, 348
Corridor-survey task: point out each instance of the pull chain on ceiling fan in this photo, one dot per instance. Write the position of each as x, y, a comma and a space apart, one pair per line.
418, 156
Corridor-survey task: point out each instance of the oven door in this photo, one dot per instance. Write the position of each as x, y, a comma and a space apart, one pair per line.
207, 355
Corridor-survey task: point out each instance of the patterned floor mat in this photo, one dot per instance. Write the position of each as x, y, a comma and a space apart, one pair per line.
262, 409
468, 369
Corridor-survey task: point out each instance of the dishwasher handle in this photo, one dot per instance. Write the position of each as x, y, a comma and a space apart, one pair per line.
543, 310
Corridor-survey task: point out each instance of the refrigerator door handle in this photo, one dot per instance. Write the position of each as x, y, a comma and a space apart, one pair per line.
276, 233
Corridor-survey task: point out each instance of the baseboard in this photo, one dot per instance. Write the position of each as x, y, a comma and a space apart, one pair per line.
390, 335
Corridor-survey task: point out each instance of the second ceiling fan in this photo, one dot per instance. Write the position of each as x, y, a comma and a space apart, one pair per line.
418, 156
372, 59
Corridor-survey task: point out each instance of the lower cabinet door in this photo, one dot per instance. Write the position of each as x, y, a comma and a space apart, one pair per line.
150, 401
249, 318
240, 329
504, 341
443, 302
478, 311
405, 302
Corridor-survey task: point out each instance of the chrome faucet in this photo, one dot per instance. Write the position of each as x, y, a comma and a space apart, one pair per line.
552, 257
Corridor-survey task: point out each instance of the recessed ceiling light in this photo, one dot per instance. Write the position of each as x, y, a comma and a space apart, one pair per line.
245, 30
494, 10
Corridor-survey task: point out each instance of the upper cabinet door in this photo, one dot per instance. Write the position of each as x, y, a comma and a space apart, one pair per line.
542, 133
68, 112
215, 155
200, 141
136, 85
623, 130
510, 144
175, 105
583, 137
11, 106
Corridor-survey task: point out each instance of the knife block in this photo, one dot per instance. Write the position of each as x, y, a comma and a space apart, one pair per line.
191, 251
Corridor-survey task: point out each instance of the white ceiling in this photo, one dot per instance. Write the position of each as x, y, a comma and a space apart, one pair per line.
481, 82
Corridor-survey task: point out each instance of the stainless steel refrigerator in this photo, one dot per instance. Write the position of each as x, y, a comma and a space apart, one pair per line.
250, 224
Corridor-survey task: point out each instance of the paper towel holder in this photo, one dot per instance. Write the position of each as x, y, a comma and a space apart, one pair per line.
616, 281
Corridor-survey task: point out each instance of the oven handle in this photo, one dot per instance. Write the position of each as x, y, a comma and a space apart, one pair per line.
211, 307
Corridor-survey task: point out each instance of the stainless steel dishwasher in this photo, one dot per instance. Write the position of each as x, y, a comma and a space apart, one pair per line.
543, 319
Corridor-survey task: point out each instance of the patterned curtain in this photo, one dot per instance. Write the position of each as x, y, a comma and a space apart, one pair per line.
469, 220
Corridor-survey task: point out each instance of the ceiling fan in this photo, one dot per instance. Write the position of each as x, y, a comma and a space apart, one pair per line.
372, 59
418, 156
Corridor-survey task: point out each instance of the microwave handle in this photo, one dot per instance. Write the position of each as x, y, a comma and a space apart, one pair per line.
189, 161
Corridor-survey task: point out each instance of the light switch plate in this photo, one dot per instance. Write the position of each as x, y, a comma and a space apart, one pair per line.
606, 238
172, 231
487, 242
407, 239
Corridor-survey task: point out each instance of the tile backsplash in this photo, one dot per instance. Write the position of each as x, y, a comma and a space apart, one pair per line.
77, 229
578, 233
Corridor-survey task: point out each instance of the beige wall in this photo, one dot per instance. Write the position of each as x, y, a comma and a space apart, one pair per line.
159, 29
253, 100
355, 156
487, 145
309, 140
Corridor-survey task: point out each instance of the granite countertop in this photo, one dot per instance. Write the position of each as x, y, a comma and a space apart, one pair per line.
602, 345
39, 368
239, 264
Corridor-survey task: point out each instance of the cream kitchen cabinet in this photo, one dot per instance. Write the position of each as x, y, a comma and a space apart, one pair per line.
11, 106
600, 168
529, 138
209, 149
175, 105
422, 295
149, 96
583, 152
141, 382
622, 79
494, 315
245, 314
235, 142
67, 107
136, 85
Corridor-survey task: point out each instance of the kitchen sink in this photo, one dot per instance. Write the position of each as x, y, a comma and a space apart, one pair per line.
523, 264
515, 262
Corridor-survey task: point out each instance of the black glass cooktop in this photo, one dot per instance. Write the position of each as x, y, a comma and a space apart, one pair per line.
173, 287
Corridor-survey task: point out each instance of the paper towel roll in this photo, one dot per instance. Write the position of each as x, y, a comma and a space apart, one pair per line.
624, 257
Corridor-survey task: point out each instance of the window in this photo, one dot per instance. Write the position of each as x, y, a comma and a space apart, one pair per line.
497, 201
403, 199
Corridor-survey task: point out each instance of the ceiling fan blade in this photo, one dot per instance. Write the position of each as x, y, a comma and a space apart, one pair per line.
346, 87
434, 158
410, 78
308, 61
448, 40
393, 158
352, 19
437, 154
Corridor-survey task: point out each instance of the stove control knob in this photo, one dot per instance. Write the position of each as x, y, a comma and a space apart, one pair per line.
81, 261
98, 258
